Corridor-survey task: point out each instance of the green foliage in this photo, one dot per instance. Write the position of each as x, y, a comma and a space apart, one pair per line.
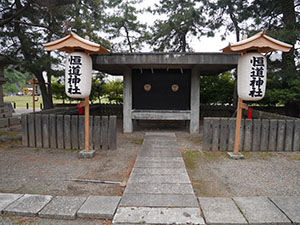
184, 19
58, 91
114, 91
97, 89
216, 89
16, 80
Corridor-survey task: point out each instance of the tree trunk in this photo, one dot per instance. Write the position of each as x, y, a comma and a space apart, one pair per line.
288, 62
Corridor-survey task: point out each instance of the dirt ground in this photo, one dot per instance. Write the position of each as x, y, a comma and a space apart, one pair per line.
213, 174
47, 171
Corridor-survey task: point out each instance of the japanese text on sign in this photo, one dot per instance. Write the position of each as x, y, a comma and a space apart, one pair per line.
74, 73
257, 74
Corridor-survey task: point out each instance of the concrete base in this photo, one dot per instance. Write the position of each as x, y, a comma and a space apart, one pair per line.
86, 155
235, 156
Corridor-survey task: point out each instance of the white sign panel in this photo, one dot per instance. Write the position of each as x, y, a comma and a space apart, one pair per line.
252, 76
78, 75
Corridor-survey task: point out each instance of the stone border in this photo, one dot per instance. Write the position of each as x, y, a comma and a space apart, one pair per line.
59, 207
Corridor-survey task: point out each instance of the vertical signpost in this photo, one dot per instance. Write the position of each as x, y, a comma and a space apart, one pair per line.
252, 74
78, 74
34, 83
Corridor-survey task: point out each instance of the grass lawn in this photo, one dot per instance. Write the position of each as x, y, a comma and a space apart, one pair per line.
22, 100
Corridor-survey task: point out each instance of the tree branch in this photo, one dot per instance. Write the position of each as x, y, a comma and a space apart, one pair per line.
8, 20
35, 25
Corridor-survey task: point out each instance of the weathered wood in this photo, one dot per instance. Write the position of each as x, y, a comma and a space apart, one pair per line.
231, 134
97, 133
215, 134
104, 131
60, 131
81, 131
256, 135
31, 130
53, 137
281, 135
91, 126
223, 134
38, 130
248, 135
273, 135
45, 130
289, 132
67, 132
112, 132
25, 134
207, 134
296, 142
264, 135
74, 132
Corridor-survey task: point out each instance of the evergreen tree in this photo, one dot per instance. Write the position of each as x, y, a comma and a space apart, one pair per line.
280, 18
183, 20
122, 25
26, 25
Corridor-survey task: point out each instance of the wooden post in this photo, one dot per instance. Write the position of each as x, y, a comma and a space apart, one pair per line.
240, 108
87, 123
33, 95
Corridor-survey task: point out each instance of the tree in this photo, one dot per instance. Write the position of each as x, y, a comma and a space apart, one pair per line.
225, 13
183, 20
114, 91
217, 89
16, 80
281, 20
26, 25
123, 24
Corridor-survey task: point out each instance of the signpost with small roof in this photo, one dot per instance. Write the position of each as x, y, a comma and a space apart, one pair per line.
252, 73
78, 73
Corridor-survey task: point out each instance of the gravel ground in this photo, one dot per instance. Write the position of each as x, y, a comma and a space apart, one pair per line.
44, 171
13, 220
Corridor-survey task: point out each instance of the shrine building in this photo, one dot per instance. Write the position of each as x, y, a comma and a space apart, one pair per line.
163, 86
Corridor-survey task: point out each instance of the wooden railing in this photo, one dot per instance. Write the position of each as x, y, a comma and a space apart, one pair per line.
67, 131
256, 135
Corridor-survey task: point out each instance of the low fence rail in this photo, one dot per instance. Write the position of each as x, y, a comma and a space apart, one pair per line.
67, 131
256, 135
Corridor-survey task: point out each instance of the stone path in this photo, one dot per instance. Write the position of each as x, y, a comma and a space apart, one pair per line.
159, 190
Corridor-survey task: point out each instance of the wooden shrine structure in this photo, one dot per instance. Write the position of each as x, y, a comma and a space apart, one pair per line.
163, 86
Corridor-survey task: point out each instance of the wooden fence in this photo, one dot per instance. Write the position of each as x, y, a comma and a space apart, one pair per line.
67, 131
256, 135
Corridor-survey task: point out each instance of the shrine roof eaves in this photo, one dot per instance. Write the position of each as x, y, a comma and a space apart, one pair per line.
206, 63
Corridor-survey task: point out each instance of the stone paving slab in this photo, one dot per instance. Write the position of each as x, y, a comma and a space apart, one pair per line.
101, 207
7, 198
159, 200
28, 205
62, 207
159, 164
159, 171
159, 159
144, 188
134, 215
161, 154
160, 179
219, 211
290, 206
164, 134
260, 210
